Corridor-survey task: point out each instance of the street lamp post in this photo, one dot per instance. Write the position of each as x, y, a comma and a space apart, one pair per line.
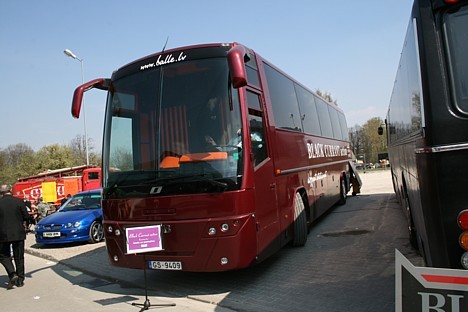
72, 55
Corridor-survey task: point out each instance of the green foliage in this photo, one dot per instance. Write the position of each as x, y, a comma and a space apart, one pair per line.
20, 160
366, 142
55, 157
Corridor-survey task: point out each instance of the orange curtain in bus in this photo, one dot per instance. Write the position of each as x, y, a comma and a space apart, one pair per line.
174, 130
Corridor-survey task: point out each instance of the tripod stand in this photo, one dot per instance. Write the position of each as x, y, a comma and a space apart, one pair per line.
146, 305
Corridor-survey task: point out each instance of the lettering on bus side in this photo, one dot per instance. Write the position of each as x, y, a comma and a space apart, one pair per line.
318, 150
313, 178
164, 60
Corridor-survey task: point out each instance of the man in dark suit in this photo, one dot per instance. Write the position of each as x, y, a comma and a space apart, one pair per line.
13, 214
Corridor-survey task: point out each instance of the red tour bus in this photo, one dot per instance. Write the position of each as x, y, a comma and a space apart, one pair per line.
228, 156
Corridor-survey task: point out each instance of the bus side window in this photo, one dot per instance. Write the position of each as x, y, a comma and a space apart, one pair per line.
257, 131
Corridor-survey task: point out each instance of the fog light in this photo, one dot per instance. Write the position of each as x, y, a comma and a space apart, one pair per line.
463, 240
110, 229
117, 232
224, 261
116, 258
212, 231
464, 260
224, 227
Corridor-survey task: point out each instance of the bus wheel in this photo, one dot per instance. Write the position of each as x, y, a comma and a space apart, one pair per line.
343, 192
300, 222
96, 232
412, 233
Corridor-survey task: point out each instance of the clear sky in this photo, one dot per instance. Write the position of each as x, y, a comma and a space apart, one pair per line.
348, 48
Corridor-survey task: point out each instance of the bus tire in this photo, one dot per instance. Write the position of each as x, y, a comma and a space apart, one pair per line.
343, 192
300, 222
412, 233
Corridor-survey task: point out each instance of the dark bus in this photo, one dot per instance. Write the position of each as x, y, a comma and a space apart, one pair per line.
213, 159
427, 131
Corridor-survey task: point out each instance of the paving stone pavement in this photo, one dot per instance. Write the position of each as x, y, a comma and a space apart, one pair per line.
346, 265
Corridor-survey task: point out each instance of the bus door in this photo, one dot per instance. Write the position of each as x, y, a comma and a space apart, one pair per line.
268, 227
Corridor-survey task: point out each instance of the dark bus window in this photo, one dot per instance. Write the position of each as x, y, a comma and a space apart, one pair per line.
335, 123
310, 121
283, 100
253, 101
406, 100
456, 25
252, 72
344, 126
257, 132
324, 117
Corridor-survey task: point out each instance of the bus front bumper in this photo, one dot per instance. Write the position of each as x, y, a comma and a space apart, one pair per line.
204, 245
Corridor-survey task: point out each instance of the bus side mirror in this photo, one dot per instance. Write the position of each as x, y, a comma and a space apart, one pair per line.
101, 83
380, 130
236, 63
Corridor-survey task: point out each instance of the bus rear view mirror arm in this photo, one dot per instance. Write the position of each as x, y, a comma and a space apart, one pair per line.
100, 83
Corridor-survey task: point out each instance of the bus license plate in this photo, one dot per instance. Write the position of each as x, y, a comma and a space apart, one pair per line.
165, 265
51, 234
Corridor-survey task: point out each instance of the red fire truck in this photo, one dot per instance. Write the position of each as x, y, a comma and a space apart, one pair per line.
54, 185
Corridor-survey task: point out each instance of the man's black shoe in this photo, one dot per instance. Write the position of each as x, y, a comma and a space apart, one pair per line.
13, 281
19, 283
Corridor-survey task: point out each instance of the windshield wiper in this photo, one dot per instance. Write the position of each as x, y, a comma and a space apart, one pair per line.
125, 177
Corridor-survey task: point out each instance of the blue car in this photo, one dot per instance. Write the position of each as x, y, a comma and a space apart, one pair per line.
79, 219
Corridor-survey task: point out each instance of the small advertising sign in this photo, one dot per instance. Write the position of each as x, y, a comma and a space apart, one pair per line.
49, 192
429, 289
143, 239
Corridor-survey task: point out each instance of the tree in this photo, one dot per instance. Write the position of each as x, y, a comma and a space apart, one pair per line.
54, 156
16, 161
371, 142
356, 139
78, 147
20, 160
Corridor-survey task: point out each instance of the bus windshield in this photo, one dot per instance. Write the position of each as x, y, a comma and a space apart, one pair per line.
173, 129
